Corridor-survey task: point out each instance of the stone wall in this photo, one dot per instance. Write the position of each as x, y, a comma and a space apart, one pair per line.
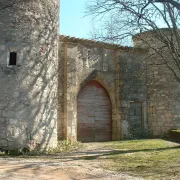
28, 91
163, 101
120, 70
133, 93
163, 90
144, 95
81, 62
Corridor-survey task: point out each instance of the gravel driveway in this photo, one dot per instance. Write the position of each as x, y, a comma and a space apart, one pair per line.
72, 166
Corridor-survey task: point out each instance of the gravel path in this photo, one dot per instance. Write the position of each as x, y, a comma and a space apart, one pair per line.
81, 165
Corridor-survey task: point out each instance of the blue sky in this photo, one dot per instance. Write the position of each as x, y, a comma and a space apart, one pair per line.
72, 22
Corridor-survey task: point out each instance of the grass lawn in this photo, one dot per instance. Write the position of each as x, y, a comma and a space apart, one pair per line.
151, 159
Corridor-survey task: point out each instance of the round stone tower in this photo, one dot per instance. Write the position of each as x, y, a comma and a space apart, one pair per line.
151, 38
28, 73
162, 86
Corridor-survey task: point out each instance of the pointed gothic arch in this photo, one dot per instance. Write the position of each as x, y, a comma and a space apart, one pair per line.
94, 113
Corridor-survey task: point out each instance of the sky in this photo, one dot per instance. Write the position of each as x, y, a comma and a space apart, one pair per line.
72, 20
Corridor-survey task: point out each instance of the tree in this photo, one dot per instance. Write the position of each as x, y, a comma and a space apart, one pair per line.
125, 18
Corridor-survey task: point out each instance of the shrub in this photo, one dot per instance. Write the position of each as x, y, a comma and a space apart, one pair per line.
174, 135
65, 146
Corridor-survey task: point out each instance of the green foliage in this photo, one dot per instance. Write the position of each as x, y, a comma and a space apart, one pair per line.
65, 146
14, 152
62, 147
174, 135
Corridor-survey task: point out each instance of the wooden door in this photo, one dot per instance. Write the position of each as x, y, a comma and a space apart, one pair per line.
94, 114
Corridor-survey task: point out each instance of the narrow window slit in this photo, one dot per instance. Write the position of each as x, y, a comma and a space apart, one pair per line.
13, 59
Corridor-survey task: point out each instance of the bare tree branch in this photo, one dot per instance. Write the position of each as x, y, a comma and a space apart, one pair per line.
172, 2
124, 19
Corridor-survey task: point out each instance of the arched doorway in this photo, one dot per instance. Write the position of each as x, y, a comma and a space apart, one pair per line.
94, 114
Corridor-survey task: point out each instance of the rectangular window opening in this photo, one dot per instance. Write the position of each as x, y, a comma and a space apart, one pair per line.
13, 59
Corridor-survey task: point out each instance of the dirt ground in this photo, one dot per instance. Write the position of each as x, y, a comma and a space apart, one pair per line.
81, 165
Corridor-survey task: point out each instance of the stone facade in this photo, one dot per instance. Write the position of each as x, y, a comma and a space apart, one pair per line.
38, 95
114, 67
133, 93
145, 100
163, 90
28, 91
80, 63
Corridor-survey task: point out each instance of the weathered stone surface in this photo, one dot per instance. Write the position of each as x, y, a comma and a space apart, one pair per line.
129, 78
162, 89
28, 100
38, 96
82, 63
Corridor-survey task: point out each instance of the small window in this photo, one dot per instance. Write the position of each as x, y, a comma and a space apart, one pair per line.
13, 59
89, 54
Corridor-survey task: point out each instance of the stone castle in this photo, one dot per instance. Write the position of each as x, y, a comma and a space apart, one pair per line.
55, 87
